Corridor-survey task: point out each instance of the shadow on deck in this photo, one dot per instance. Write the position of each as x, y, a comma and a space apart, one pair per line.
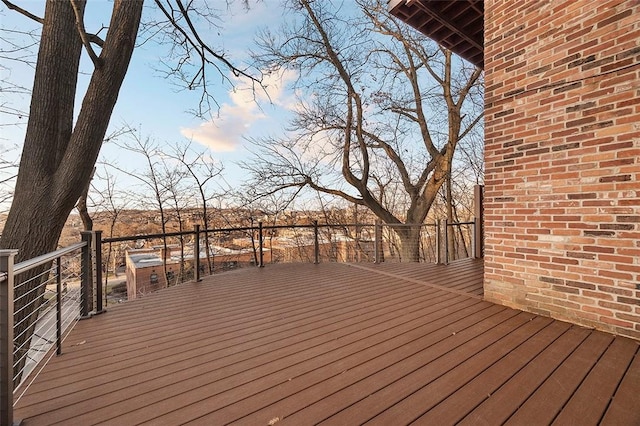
341, 344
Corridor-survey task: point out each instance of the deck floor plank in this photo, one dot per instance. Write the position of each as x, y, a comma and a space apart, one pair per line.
427, 397
322, 370
504, 401
434, 383
594, 395
250, 379
547, 401
368, 363
174, 362
169, 340
333, 343
386, 384
459, 404
624, 406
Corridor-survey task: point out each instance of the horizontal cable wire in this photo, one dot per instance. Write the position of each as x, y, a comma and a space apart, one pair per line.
42, 301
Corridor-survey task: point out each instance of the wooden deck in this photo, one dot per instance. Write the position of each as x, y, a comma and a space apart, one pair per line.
336, 344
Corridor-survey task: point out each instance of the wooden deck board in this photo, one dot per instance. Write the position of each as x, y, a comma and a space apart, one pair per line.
458, 405
624, 406
242, 346
594, 394
428, 396
406, 389
270, 372
224, 329
548, 400
503, 402
333, 343
369, 372
321, 382
320, 369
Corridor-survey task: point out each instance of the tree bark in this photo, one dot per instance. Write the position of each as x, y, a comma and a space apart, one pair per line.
58, 158
409, 242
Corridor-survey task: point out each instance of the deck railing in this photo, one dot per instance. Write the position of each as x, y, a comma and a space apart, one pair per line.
224, 248
60, 287
167, 259
40, 299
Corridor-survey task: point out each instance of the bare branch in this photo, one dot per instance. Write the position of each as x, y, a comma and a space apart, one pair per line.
192, 53
95, 39
97, 62
22, 11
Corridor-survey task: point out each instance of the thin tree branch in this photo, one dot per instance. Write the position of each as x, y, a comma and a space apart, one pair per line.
97, 62
95, 39
20, 10
198, 44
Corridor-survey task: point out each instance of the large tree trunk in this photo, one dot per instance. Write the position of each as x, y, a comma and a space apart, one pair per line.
409, 242
58, 158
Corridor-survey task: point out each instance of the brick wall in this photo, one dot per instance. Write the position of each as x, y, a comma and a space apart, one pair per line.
562, 194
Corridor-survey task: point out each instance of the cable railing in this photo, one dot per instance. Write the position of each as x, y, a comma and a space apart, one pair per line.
40, 301
52, 295
163, 260
53, 291
402, 243
461, 240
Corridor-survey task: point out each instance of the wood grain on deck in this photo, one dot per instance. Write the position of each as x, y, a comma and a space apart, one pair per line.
334, 344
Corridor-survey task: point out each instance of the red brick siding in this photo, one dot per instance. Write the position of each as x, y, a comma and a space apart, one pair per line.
562, 189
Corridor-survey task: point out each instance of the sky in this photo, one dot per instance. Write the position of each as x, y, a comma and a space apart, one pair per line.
155, 105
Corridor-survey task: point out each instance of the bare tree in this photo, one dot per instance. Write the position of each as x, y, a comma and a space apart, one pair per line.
59, 152
186, 28
151, 179
381, 109
179, 201
271, 209
61, 147
202, 169
58, 157
111, 206
467, 170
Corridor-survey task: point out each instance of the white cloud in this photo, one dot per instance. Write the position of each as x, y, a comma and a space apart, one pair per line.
276, 87
224, 133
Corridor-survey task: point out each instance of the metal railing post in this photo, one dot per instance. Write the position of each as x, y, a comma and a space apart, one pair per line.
357, 248
377, 242
59, 306
97, 245
478, 230
196, 253
438, 243
86, 298
260, 244
446, 240
316, 243
6, 336
474, 226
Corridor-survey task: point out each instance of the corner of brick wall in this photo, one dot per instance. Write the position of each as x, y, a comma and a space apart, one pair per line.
562, 184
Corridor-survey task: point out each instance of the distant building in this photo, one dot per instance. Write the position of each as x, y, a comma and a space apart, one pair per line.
144, 272
144, 269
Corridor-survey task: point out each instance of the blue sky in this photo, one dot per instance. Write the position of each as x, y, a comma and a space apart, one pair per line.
156, 105
159, 110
